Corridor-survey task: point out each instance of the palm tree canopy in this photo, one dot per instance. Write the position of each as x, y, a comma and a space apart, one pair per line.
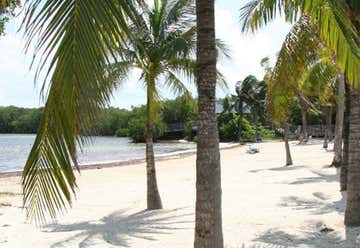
329, 18
251, 92
304, 69
164, 45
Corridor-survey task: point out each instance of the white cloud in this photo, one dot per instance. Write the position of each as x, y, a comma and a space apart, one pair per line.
17, 86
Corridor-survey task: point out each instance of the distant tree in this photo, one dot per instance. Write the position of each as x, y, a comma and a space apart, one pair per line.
251, 92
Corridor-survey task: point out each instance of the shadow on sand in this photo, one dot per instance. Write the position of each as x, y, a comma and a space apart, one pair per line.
117, 229
280, 239
282, 168
318, 205
321, 177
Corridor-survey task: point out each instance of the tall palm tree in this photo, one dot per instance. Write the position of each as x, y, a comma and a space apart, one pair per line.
163, 48
208, 218
312, 79
338, 25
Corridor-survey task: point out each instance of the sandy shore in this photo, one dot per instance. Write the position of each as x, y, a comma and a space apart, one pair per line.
264, 205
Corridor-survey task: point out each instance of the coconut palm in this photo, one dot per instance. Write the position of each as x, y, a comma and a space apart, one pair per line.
338, 25
251, 92
163, 48
208, 219
313, 77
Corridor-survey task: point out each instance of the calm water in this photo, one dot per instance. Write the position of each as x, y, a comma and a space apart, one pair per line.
14, 149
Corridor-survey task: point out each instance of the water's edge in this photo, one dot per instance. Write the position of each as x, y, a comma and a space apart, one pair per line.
161, 157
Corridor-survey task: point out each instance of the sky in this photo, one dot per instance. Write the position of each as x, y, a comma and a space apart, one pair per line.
17, 85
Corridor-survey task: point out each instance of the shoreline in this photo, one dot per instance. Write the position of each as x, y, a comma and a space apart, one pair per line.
293, 205
160, 157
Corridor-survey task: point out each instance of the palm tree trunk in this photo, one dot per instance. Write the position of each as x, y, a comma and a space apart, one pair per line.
338, 142
304, 133
352, 213
208, 219
328, 132
153, 195
329, 124
345, 155
287, 146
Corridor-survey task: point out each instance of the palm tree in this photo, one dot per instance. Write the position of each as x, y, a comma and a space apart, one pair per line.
338, 26
208, 219
251, 92
164, 44
312, 79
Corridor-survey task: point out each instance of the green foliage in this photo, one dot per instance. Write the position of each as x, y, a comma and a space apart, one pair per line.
137, 129
19, 120
182, 109
228, 123
122, 132
228, 126
330, 18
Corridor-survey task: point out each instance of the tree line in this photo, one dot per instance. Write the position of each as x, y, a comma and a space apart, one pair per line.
132, 123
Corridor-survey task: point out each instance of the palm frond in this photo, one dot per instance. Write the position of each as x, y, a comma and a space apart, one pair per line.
74, 40
329, 16
175, 84
297, 52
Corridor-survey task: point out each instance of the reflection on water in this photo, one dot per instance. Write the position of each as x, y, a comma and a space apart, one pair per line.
14, 149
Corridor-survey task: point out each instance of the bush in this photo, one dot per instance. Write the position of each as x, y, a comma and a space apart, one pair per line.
122, 132
266, 133
137, 129
248, 131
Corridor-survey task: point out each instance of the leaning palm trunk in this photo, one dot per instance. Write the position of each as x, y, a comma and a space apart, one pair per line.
287, 146
208, 219
346, 131
304, 133
153, 196
352, 213
338, 142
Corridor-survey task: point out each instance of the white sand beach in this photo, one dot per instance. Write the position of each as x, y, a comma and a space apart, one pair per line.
264, 205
